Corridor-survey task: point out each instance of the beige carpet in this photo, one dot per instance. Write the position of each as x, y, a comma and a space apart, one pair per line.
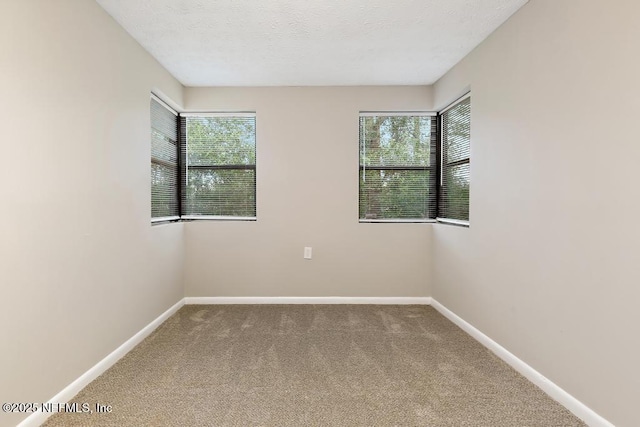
313, 365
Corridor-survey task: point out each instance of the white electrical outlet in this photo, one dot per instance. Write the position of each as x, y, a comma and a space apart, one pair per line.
307, 252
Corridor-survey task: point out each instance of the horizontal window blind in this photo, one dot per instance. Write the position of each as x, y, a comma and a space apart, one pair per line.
397, 164
164, 161
219, 165
456, 160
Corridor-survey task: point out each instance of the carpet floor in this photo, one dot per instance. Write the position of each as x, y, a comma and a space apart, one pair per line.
313, 365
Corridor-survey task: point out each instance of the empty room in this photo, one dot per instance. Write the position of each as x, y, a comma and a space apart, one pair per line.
321, 212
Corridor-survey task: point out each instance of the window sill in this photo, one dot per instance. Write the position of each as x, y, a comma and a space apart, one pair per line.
164, 220
218, 218
396, 221
457, 222
178, 219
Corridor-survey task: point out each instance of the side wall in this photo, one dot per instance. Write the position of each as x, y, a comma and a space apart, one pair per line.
307, 195
550, 265
82, 270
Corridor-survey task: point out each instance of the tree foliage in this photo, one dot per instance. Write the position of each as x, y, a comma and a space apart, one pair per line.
164, 182
221, 158
397, 167
395, 153
164, 161
454, 199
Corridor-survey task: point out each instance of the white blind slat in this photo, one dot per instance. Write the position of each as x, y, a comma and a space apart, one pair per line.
397, 160
220, 161
456, 160
164, 161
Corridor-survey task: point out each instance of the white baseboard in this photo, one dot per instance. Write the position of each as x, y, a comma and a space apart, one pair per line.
578, 408
309, 300
38, 417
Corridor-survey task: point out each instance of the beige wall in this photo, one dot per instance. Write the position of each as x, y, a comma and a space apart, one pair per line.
550, 265
307, 195
81, 269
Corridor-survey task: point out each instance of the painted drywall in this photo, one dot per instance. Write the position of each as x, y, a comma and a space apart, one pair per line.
549, 266
307, 195
82, 270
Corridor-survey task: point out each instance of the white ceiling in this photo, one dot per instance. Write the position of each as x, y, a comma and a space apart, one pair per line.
309, 42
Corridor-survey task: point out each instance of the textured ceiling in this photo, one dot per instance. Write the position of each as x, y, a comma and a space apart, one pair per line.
309, 42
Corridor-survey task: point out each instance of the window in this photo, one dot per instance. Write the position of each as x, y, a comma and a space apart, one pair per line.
164, 162
219, 173
455, 162
416, 166
397, 167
